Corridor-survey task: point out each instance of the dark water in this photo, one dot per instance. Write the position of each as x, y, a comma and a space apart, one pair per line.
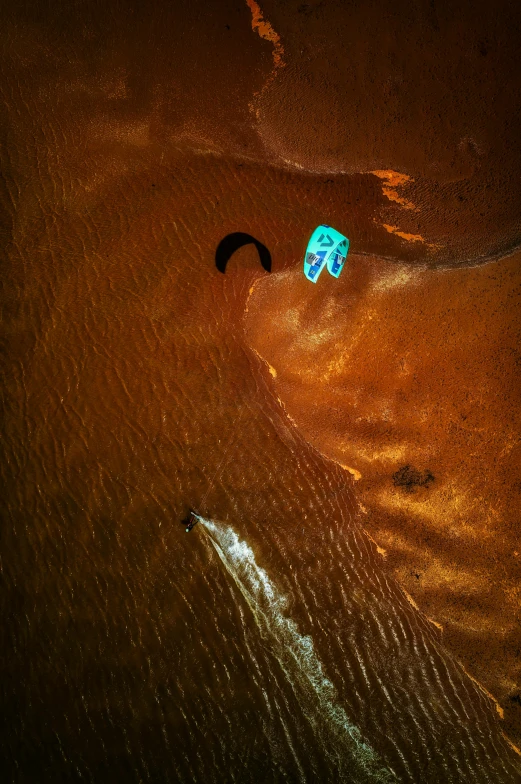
269, 644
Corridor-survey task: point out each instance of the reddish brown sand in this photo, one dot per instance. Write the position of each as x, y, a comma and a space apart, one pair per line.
392, 368
136, 138
430, 91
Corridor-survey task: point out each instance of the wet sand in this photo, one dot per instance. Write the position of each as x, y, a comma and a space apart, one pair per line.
412, 382
128, 366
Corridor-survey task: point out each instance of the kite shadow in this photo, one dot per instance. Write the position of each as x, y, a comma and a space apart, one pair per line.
233, 242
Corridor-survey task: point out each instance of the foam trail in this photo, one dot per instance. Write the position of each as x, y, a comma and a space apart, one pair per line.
317, 697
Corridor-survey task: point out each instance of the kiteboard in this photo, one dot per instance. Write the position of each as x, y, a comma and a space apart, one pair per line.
326, 248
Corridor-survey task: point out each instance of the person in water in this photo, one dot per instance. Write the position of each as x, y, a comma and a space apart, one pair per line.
192, 520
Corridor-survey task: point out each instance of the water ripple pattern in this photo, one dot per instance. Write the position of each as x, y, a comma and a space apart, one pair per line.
298, 659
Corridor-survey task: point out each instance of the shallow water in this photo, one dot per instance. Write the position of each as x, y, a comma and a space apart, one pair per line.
271, 644
338, 738
136, 650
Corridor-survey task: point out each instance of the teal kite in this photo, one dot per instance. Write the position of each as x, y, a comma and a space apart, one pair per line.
327, 247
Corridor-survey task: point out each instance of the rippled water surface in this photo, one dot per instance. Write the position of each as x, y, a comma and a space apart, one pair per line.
269, 644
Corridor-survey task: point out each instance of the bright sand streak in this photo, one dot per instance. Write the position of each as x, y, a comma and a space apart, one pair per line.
298, 660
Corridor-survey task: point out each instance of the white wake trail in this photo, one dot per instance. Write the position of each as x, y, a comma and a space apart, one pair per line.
296, 654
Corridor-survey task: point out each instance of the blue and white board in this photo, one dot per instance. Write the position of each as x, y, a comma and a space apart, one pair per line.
326, 248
